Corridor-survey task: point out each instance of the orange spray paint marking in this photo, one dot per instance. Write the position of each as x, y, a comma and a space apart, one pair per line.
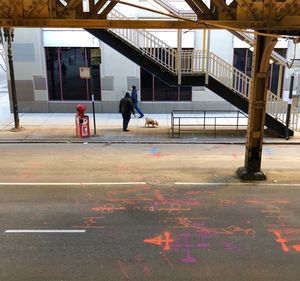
281, 241
158, 195
199, 192
226, 202
171, 210
124, 270
166, 259
296, 248
146, 270
90, 222
158, 240
247, 231
107, 209
263, 202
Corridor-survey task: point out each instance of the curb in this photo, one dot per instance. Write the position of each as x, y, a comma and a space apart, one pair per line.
112, 141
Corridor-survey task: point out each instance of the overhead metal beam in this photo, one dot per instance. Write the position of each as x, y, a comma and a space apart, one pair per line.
224, 12
200, 9
107, 9
96, 8
280, 17
102, 23
72, 4
36, 9
290, 7
292, 25
246, 9
202, 6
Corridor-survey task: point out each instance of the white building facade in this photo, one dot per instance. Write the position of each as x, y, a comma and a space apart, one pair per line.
47, 66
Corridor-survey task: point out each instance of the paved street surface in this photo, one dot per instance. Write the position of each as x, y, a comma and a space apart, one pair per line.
94, 212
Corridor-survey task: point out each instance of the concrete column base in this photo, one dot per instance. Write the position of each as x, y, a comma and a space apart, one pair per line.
250, 176
17, 129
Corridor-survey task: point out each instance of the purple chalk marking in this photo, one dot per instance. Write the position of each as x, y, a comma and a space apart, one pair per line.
188, 258
203, 244
229, 246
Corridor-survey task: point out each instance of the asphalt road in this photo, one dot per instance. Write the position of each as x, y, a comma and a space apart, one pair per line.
144, 162
139, 212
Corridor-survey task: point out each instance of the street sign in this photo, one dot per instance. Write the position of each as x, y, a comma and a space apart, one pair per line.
85, 72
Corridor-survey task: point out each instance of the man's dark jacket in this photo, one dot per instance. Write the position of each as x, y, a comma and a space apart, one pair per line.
126, 106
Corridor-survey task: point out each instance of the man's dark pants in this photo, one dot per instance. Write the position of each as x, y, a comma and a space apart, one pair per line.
126, 119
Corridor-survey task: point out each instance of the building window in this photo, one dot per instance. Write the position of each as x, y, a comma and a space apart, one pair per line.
154, 89
64, 82
242, 60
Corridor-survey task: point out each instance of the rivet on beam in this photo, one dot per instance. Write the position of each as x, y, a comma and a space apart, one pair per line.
256, 134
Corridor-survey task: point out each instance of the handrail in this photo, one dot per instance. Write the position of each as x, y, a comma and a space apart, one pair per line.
149, 44
200, 61
204, 119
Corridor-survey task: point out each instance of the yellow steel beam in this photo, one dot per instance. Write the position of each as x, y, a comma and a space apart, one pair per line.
292, 23
36, 9
74, 4
101, 23
95, 9
288, 8
4, 9
224, 11
268, 15
200, 9
247, 10
108, 8
268, 12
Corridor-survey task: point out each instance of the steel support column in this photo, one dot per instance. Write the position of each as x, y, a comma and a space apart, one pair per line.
9, 35
257, 108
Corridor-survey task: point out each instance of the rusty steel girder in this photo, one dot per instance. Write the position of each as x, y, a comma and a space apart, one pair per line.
273, 16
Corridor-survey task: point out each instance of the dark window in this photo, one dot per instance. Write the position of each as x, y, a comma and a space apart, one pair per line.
275, 73
63, 76
154, 89
242, 60
147, 81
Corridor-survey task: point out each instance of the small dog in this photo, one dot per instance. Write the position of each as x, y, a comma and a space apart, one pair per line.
149, 121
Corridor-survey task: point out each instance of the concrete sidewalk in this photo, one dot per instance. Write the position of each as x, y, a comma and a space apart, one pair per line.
60, 127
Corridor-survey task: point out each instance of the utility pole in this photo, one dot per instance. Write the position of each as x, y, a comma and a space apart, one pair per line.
288, 114
9, 36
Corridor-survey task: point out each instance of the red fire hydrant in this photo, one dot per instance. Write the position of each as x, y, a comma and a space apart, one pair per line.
82, 122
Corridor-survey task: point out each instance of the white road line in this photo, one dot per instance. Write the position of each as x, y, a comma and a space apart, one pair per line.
73, 183
204, 183
45, 231
237, 183
144, 183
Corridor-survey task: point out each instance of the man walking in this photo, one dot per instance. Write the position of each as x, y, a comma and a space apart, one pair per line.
134, 99
126, 108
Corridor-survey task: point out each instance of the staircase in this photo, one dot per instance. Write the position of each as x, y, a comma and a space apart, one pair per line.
195, 68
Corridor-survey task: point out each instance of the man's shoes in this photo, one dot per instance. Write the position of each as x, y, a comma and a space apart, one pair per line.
141, 116
125, 130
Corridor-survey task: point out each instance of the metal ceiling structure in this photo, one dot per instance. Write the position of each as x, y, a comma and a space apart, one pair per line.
272, 16
267, 19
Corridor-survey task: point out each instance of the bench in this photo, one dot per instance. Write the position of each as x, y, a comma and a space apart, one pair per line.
191, 120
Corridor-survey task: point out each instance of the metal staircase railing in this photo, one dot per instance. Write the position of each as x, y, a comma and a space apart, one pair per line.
196, 61
199, 61
147, 43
